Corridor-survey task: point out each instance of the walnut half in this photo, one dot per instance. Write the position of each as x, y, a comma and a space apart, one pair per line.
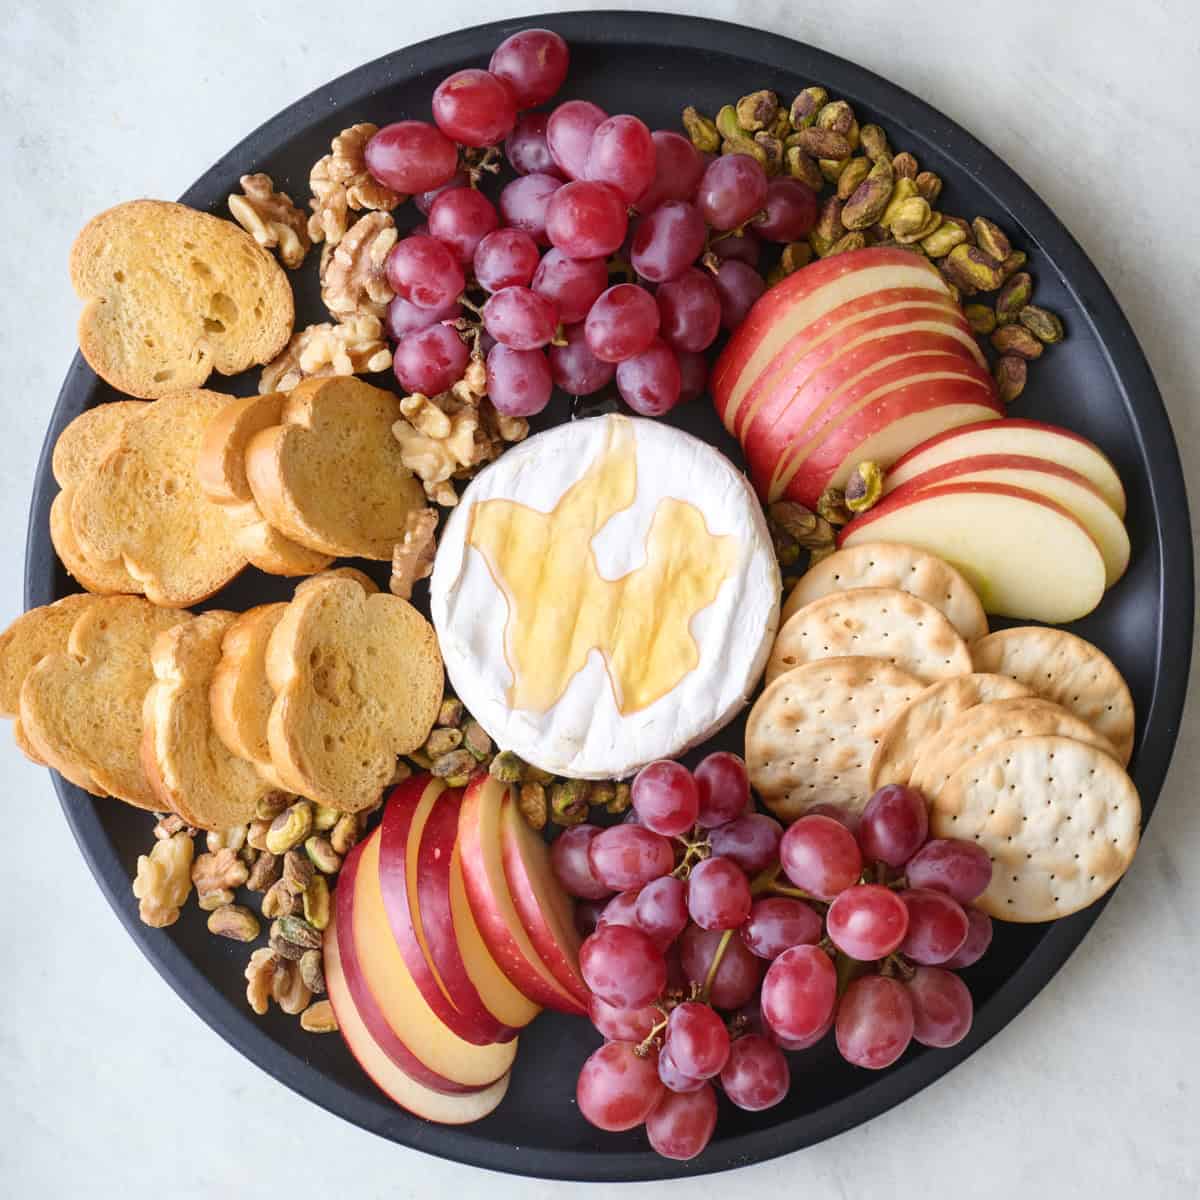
355, 347
164, 879
341, 181
271, 219
412, 558
352, 276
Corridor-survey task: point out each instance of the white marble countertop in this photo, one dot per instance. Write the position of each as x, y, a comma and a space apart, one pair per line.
109, 1086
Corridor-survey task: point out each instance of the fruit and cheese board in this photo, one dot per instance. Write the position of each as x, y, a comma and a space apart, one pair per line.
787, 624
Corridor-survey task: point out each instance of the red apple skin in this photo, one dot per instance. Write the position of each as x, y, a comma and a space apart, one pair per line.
495, 912
1105, 478
786, 294
526, 855
437, 919
368, 1009
446, 1108
963, 400
817, 341
836, 390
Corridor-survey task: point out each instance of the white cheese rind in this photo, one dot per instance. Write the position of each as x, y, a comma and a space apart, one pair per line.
584, 735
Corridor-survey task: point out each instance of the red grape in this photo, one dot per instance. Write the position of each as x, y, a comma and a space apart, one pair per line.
661, 910
752, 841
820, 856
621, 910
621, 154
404, 317
526, 147
673, 1077
756, 1075
623, 966
574, 284
474, 107
894, 825
693, 375
424, 272
533, 62
627, 856
689, 310
622, 1024
505, 258
431, 360
575, 368
519, 318
569, 858
569, 134
867, 922
737, 975
622, 322
799, 992
843, 816
960, 869
411, 156
677, 170
650, 382
805, 1043
460, 219
667, 241
696, 1040
745, 247
723, 788
718, 894
739, 285
681, 1125
423, 201
979, 938
666, 797
586, 219
732, 189
791, 208
937, 926
518, 381
524, 201
874, 1022
618, 1088
776, 923
942, 1007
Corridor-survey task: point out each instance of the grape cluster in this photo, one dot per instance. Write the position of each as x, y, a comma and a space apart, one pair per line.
592, 192
715, 941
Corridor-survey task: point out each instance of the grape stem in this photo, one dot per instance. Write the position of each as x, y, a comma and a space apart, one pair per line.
618, 266
695, 849
716, 962
477, 162
896, 965
767, 883
651, 1039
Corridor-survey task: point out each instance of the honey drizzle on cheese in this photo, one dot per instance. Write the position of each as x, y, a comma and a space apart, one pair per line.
560, 608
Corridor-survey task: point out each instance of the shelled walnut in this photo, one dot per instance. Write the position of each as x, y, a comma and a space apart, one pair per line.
271, 219
354, 347
353, 282
340, 182
164, 880
412, 558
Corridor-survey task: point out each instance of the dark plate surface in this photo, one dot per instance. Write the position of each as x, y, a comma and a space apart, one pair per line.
1097, 382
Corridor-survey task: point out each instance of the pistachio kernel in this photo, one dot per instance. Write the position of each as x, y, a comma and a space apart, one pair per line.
290, 828
871, 198
846, 243
981, 318
807, 104
457, 762
1010, 372
451, 712
322, 855
727, 123
209, 901
1012, 264
781, 127
974, 267
271, 805
569, 801
1013, 296
325, 818
823, 143
929, 185
603, 793
864, 487
531, 803
1042, 323
264, 872
316, 902
905, 165
234, 922
802, 167
296, 933
1016, 339
297, 871
279, 901
757, 110
507, 767
442, 740
832, 507
874, 143
944, 238
832, 168
343, 837
622, 799
839, 117
475, 739
312, 971
772, 149
747, 146
256, 834
903, 191
855, 171
701, 130
909, 217
795, 255
991, 239
788, 555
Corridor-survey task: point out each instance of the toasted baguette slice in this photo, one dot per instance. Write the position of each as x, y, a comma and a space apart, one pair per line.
143, 505
221, 467
82, 710
170, 294
105, 579
190, 769
329, 474
358, 680
85, 442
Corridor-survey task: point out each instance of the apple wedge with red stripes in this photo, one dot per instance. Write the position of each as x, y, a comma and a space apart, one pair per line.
1025, 555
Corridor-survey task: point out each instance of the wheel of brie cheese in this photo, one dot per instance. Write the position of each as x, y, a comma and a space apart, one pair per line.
605, 594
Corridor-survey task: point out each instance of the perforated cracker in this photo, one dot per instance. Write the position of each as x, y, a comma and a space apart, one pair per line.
1059, 820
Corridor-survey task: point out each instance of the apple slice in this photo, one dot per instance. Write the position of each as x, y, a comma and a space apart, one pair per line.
481, 852
802, 298
1025, 556
1073, 491
405, 854
544, 907
442, 1107
1033, 439
425, 1035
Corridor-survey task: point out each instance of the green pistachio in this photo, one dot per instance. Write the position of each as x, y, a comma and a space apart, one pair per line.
1016, 339
701, 130
757, 110
1042, 323
806, 105
854, 172
981, 318
1010, 373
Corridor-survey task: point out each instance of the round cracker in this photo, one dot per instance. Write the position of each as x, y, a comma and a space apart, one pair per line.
1058, 819
810, 736
878, 623
997, 721
918, 725
1068, 670
888, 564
